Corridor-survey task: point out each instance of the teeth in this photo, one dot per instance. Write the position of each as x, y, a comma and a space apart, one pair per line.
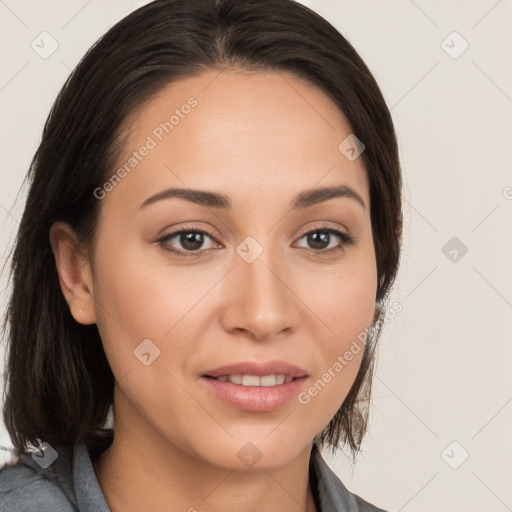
255, 380
235, 379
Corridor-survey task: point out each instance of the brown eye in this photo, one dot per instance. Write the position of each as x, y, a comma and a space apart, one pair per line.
189, 241
319, 240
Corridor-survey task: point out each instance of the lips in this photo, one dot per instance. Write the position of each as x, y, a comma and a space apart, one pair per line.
253, 386
253, 368
255, 380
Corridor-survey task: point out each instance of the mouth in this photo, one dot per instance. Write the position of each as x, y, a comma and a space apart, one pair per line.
255, 387
255, 380
253, 373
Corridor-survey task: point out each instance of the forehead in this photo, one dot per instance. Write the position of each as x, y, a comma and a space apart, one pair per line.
239, 132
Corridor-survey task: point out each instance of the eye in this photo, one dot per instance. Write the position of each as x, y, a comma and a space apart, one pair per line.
190, 240
320, 239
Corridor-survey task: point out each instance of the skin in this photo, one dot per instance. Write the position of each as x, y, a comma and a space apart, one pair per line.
260, 138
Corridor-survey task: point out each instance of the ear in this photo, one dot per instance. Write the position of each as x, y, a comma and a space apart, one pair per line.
74, 269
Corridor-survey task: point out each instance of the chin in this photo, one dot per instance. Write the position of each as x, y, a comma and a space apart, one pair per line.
251, 453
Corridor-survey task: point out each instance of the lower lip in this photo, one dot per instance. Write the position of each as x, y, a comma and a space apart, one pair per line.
255, 398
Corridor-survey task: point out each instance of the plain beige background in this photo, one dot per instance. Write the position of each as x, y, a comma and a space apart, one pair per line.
440, 427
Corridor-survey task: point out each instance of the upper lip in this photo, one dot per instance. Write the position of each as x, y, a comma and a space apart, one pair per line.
257, 368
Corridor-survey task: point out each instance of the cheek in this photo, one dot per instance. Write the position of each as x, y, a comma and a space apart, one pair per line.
140, 298
340, 349
343, 301
130, 300
344, 305
135, 293
139, 315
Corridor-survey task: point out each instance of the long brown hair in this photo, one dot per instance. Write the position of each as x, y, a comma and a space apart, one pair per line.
59, 385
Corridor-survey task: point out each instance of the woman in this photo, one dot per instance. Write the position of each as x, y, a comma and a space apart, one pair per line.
210, 236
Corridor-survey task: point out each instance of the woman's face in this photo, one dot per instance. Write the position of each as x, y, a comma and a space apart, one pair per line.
251, 287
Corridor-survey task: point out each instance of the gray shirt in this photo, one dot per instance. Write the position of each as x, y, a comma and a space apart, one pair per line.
69, 484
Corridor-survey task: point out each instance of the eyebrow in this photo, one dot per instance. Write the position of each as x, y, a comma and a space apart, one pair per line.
303, 200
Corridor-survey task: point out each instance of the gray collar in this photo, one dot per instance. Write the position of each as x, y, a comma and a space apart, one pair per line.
331, 494
87, 489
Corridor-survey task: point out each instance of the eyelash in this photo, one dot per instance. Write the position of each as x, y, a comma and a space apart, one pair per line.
346, 241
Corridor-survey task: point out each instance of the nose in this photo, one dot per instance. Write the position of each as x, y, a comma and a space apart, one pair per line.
259, 298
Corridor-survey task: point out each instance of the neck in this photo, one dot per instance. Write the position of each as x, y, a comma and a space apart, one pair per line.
123, 478
141, 460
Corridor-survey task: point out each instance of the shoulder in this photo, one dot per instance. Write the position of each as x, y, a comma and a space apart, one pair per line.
364, 506
354, 503
25, 486
332, 493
